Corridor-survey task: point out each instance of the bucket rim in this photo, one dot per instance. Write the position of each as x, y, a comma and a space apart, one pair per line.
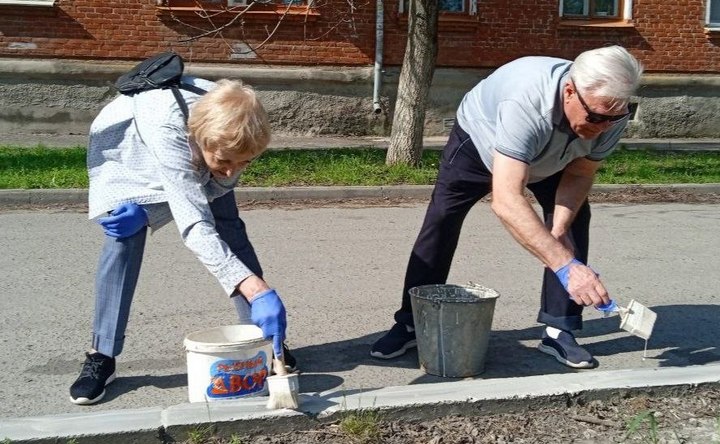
482, 293
192, 342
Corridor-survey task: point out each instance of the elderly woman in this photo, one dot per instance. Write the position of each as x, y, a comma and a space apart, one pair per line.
147, 167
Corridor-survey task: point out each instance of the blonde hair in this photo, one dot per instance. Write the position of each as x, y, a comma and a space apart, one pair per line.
230, 118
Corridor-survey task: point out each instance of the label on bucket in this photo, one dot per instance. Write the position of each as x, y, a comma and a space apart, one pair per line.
235, 378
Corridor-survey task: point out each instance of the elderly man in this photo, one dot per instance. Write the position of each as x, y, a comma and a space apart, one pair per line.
539, 123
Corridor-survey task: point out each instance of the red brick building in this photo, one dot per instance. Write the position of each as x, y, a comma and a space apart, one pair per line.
314, 61
668, 36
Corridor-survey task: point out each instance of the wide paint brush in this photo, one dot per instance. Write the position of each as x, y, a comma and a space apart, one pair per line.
283, 387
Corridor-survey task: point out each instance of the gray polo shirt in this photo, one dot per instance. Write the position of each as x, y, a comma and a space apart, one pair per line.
518, 111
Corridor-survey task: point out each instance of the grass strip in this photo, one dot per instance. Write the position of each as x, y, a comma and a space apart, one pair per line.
40, 167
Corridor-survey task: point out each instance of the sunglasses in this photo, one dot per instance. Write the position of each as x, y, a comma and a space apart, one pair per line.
593, 117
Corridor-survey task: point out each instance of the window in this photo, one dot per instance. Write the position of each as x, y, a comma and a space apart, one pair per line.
452, 5
713, 14
596, 9
447, 6
28, 2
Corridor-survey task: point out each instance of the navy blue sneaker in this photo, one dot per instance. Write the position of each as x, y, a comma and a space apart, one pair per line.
97, 372
566, 350
396, 342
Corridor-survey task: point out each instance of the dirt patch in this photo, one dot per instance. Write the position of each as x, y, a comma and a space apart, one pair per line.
629, 195
688, 415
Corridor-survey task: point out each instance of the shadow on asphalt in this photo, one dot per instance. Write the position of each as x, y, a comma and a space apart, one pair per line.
686, 334
683, 335
127, 384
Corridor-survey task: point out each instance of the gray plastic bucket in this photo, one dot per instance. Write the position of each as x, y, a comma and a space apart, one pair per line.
452, 325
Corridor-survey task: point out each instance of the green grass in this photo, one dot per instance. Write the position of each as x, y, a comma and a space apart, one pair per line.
361, 426
645, 426
40, 167
645, 167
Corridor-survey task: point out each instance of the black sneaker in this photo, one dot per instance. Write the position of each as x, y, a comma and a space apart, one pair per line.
97, 372
566, 350
396, 342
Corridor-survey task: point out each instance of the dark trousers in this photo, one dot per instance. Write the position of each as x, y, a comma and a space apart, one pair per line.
462, 181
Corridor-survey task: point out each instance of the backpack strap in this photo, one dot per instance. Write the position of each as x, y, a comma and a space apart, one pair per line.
181, 101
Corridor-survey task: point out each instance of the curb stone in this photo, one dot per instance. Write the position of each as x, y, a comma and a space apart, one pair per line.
249, 416
266, 194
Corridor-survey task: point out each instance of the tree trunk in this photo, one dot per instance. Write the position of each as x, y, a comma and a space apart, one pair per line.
406, 137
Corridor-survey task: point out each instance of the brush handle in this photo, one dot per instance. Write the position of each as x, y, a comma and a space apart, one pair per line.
279, 366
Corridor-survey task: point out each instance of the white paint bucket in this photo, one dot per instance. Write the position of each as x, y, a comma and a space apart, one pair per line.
227, 362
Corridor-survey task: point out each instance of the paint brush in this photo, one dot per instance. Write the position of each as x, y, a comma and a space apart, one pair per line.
283, 387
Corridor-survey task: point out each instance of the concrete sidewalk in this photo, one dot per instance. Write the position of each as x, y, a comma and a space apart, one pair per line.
339, 271
327, 142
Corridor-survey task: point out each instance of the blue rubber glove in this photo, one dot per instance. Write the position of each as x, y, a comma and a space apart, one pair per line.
124, 221
563, 274
268, 312
609, 307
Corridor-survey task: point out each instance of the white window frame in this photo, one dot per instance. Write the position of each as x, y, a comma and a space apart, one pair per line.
471, 11
45, 3
625, 14
708, 24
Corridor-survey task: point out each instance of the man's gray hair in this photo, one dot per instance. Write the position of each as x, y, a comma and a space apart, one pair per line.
610, 72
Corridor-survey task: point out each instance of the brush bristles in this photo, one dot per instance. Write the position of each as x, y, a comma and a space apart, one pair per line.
283, 392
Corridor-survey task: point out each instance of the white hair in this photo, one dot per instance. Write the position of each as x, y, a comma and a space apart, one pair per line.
610, 72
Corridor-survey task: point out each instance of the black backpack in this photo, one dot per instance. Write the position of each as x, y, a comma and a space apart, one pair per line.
160, 71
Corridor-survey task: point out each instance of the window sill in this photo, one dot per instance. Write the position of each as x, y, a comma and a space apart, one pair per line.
604, 23
712, 29
449, 21
294, 12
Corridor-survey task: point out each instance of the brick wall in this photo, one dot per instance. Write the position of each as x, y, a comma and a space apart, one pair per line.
668, 36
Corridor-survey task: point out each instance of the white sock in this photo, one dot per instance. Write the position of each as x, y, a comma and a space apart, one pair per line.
552, 332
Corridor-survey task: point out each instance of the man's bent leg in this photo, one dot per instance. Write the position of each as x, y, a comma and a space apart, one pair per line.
462, 181
557, 310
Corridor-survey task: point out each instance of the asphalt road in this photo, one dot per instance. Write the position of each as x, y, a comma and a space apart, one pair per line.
340, 272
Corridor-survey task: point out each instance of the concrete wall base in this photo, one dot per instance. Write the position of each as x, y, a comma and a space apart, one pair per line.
61, 97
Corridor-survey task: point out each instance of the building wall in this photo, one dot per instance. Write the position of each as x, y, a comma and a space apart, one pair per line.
314, 73
668, 36
61, 97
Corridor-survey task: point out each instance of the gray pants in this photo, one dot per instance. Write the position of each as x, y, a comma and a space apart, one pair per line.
119, 269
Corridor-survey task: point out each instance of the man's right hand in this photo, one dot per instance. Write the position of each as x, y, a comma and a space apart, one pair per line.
268, 312
583, 284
